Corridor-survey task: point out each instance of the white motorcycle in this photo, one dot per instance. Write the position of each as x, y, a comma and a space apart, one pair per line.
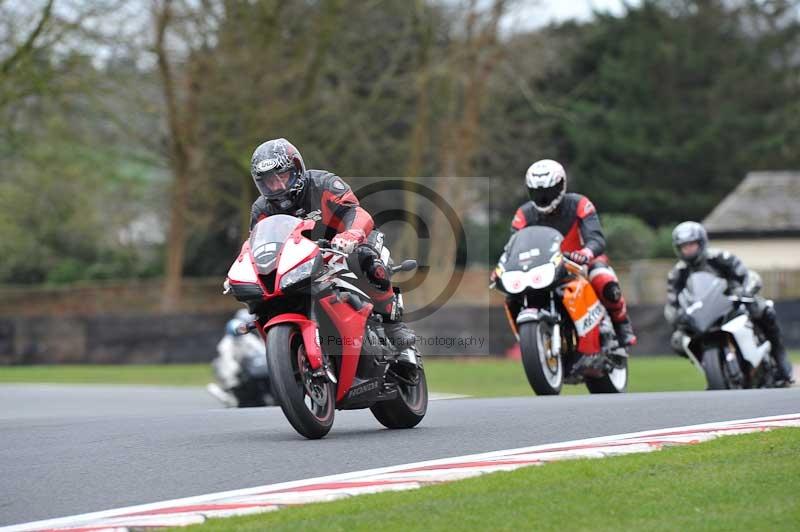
720, 338
240, 369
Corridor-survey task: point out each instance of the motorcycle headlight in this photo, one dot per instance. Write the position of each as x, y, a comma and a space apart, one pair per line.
299, 274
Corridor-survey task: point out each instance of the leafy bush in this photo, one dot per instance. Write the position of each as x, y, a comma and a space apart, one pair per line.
627, 237
662, 245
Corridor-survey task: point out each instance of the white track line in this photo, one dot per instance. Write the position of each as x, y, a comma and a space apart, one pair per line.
434, 396
193, 510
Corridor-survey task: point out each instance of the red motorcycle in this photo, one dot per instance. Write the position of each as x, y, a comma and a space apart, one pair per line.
326, 349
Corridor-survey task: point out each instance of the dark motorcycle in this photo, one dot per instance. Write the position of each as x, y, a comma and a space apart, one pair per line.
720, 338
326, 349
564, 331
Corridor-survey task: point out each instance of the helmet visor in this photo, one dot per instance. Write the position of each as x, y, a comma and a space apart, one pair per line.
689, 250
273, 184
544, 197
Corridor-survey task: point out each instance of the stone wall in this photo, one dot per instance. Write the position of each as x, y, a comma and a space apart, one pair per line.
158, 338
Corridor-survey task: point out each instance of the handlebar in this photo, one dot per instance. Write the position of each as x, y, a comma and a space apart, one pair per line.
245, 328
325, 245
574, 267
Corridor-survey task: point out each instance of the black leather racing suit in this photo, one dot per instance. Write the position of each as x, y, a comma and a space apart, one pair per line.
733, 270
324, 192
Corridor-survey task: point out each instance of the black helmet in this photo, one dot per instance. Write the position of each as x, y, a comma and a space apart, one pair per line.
690, 232
279, 172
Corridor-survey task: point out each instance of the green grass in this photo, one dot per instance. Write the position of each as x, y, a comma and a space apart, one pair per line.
478, 378
497, 378
162, 375
744, 482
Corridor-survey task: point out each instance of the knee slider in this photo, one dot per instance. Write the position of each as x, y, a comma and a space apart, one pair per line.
612, 292
769, 314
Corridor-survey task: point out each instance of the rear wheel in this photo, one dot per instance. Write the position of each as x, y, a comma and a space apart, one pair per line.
307, 402
714, 369
615, 381
409, 407
545, 370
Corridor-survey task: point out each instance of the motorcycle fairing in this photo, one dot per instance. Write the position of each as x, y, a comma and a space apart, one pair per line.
741, 328
586, 312
350, 324
242, 270
309, 331
539, 277
243, 279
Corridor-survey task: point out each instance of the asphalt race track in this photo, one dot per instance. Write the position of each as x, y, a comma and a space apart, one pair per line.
66, 450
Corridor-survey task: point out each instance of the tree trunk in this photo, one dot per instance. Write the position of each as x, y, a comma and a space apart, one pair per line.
474, 60
180, 127
408, 245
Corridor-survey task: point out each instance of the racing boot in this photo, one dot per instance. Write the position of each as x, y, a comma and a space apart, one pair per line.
769, 324
399, 334
785, 370
389, 305
625, 334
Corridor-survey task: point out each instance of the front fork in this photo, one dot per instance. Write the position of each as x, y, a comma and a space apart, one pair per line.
310, 334
552, 317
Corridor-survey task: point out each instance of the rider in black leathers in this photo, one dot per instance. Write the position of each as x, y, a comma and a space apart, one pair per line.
691, 245
287, 187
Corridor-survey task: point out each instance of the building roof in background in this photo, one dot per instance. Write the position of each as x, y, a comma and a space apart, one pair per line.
764, 204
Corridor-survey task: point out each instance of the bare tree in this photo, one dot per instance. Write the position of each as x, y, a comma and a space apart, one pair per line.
180, 90
473, 58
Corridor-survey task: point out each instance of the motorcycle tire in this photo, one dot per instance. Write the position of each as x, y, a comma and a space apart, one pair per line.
290, 384
712, 366
407, 409
248, 395
615, 382
544, 378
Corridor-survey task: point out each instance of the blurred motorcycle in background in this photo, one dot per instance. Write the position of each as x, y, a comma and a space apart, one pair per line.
240, 369
716, 333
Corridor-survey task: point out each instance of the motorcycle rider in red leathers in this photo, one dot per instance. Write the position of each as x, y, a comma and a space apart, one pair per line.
286, 187
575, 217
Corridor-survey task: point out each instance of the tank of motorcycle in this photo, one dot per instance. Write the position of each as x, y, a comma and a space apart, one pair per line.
529, 259
704, 300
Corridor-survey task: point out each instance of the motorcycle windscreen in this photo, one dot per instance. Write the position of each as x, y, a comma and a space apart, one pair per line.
531, 247
704, 300
267, 239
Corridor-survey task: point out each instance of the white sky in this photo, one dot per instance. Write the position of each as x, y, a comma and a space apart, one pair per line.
534, 13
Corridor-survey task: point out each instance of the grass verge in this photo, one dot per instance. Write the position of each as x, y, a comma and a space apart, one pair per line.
478, 378
161, 375
744, 482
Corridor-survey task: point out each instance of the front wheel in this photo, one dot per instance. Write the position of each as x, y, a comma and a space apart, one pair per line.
615, 381
716, 378
544, 369
307, 402
409, 407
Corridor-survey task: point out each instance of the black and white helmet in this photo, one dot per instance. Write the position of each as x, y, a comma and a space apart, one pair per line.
278, 171
547, 183
690, 232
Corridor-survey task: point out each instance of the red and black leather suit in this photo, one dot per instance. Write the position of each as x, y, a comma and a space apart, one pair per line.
576, 219
340, 211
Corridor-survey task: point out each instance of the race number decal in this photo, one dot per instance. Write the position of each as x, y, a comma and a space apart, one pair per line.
590, 320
